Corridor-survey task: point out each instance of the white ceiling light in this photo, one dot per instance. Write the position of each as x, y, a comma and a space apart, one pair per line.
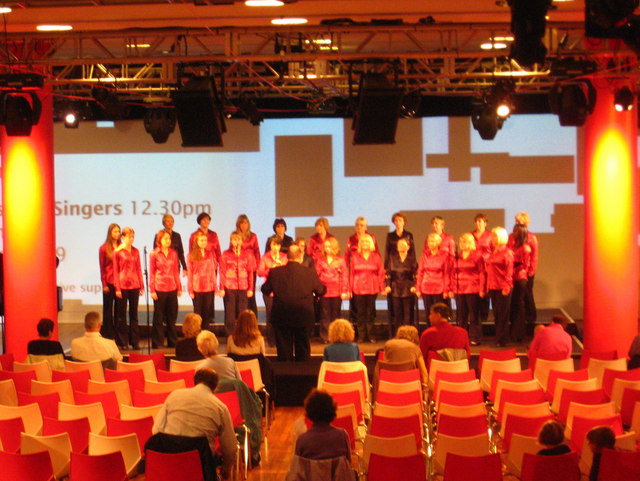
5, 9
54, 28
289, 21
264, 3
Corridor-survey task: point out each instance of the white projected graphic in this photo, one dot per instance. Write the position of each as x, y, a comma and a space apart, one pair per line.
94, 190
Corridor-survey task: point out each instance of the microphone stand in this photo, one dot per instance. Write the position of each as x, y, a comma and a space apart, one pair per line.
146, 295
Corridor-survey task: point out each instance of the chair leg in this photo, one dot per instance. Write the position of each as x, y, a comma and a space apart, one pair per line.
247, 457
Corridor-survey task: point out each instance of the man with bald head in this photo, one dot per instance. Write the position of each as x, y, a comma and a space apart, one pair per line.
294, 288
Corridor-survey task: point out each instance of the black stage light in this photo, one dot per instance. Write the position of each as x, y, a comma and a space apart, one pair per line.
528, 25
19, 112
160, 123
71, 120
623, 99
486, 121
572, 102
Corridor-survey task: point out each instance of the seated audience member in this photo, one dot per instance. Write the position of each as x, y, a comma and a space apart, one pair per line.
341, 347
44, 349
552, 341
92, 346
186, 348
449, 342
551, 439
598, 439
195, 412
225, 366
634, 354
404, 349
246, 338
322, 440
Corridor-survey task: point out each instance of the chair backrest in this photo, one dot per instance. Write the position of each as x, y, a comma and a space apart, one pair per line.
555, 376
27, 467
489, 366
394, 427
172, 466
465, 446
596, 396
21, 380
341, 396
144, 399
610, 375
455, 386
48, 403
344, 373
533, 397
582, 425
42, 369
148, 368
397, 411
252, 368
518, 446
504, 385
522, 425
393, 375
108, 399
231, 400
544, 366
58, 446
120, 388
158, 358
498, 355
6, 361
30, 414
79, 379
154, 387
8, 393
531, 410
467, 410
400, 387
127, 444
166, 376
94, 412
462, 376
450, 366
347, 422
141, 427
407, 468
596, 367
388, 446
96, 372
624, 442
516, 376
177, 366
78, 430
331, 469
63, 388
130, 412
103, 467
459, 398
10, 430
619, 465
561, 467
602, 355
462, 426
135, 378
589, 411
629, 399
398, 398
487, 467
619, 387
562, 384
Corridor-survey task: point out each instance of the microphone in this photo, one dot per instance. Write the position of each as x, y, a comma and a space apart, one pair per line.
145, 250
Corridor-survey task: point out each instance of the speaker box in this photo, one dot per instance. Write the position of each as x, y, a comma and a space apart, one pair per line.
200, 120
376, 119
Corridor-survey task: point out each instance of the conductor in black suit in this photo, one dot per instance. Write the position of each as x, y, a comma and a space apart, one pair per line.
294, 287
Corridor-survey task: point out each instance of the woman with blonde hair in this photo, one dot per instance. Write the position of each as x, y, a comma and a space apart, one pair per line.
208, 346
187, 348
500, 282
250, 245
246, 338
332, 272
342, 347
432, 283
236, 280
109, 299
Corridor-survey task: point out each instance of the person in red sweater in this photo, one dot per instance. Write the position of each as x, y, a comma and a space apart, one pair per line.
482, 237
500, 282
165, 288
109, 299
271, 259
521, 264
249, 244
201, 278
213, 246
332, 272
441, 334
448, 243
531, 314
433, 278
316, 242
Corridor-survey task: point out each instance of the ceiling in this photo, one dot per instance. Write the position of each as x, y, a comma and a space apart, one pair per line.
142, 48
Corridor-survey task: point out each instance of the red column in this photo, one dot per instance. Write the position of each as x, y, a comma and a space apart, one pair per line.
29, 230
611, 224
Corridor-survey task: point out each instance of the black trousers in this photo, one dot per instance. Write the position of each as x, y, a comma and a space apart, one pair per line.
365, 305
203, 304
428, 301
109, 312
501, 306
235, 301
127, 334
468, 306
268, 304
517, 313
165, 312
531, 313
403, 312
329, 311
290, 339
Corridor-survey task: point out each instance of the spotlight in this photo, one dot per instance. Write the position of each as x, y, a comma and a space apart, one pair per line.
609, 18
500, 98
19, 112
160, 123
572, 102
486, 121
71, 120
623, 99
503, 111
411, 102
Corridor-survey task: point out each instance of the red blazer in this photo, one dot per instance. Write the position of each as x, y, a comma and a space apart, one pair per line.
251, 245
366, 276
447, 245
106, 266
532, 242
433, 273
164, 271
468, 276
483, 243
267, 263
213, 244
315, 248
127, 273
352, 246
521, 262
202, 274
236, 272
334, 276
500, 269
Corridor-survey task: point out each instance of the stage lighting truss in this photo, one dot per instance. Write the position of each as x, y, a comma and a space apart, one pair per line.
623, 99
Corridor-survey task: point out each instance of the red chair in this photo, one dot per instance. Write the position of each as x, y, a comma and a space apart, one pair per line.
27, 467
230, 399
596, 396
405, 468
554, 376
168, 376
477, 468
619, 465
78, 430
350, 397
108, 399
135, 378
535, 396
346, 423
141, 427
398, 399
172, 466
10, 430
610, 375
547, 357
399, 376
48, 402
22, 379
6, 361
462, 427
522, 425
460, 398
348, 377
158, 358
464, 376
143, 399
629, 399
520, 376
562, 467
502, 355
581, 426
79, 379
602, 355
101, 467
393, 427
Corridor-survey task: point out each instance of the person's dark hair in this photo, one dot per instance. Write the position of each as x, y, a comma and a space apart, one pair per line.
602, 437
279, 221
559, 319
45, 327
480, 216
520, 235
201, 216
91, 320
274, 240
551, 433
320, 407
206, 376
442, 309
398, 214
